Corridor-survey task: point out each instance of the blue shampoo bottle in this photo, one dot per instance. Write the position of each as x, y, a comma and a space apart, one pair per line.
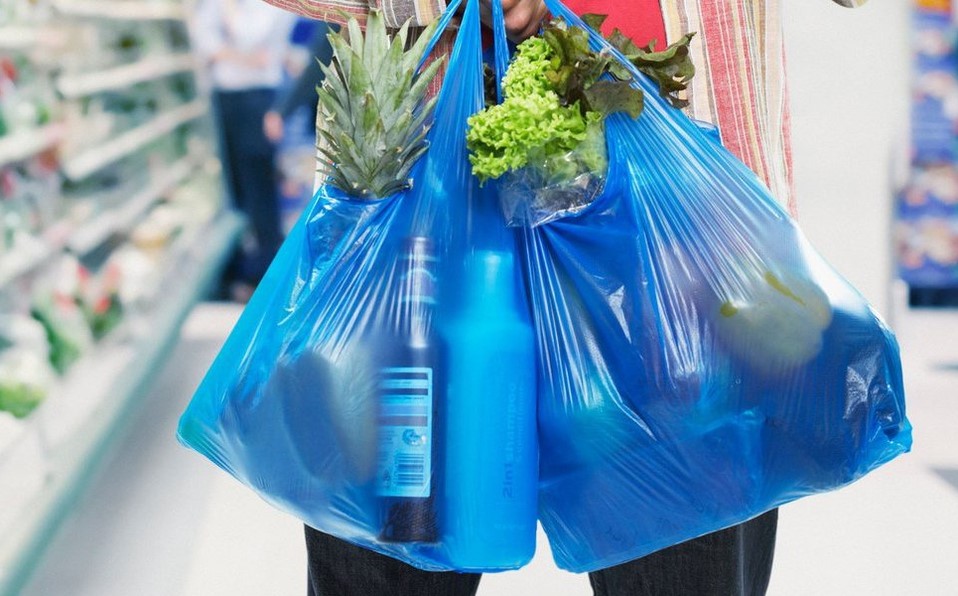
491, 445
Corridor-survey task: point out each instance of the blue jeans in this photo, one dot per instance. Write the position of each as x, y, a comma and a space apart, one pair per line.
732, 562
250, 172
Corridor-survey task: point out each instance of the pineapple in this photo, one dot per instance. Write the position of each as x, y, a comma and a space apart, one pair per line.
373, 120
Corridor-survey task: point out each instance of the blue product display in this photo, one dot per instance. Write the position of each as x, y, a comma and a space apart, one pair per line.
492, 460
667, 359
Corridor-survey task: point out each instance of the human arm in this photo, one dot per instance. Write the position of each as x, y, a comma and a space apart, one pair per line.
303, 90
522, 16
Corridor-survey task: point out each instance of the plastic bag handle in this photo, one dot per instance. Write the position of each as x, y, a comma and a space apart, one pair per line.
444, 21
500, 45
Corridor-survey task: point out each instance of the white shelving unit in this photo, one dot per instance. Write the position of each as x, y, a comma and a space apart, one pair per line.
128, 10
97, 158
13, 37
47, 457
118, 77
24, 259
94, 233
25, 37
23, 145
80, 418
84, 238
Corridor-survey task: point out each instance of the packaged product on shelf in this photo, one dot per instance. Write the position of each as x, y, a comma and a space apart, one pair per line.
55, 305
26, 206
26, 375
99, 298
123, 42
89, 124
200, 198
139, 275
32, 191
26, 96
155, 233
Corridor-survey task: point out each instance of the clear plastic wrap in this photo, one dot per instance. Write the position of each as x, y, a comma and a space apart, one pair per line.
551, 188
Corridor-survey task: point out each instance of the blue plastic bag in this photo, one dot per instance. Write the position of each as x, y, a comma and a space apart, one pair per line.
353, 390
699, 363
694, 363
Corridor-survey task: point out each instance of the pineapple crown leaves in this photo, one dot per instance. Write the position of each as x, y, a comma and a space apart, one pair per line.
374, 114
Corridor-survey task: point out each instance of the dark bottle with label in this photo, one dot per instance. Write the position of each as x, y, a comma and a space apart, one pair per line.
410, 385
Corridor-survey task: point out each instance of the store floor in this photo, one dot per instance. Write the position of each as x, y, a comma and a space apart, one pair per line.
158, 520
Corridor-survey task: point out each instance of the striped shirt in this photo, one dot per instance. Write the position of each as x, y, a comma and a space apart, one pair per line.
738, 51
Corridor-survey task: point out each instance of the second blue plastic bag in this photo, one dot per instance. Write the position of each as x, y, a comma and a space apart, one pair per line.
699, 363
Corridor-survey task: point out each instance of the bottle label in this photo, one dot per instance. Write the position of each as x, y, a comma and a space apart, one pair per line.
405, 428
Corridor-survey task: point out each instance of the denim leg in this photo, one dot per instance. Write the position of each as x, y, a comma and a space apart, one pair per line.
250, 172
733, 562
338, 568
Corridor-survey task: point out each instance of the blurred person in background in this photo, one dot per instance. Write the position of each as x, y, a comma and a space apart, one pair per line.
302, 91
290, 123
244, 44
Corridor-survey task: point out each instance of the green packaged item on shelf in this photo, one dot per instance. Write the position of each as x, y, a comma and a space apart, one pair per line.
64, 349
104, 315
25, 380
19, 399
67, 330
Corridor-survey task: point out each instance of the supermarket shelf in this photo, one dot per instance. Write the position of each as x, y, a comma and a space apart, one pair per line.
121, 219
99, 229
27, 143
17, 38
132, 365
79, 85
92, 160
28, 37
21, 261
129, 10
11, 430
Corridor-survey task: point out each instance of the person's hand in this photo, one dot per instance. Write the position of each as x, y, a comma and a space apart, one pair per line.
273, 126
523, 17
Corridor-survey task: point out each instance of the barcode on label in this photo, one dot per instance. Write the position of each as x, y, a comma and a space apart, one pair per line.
410, 470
